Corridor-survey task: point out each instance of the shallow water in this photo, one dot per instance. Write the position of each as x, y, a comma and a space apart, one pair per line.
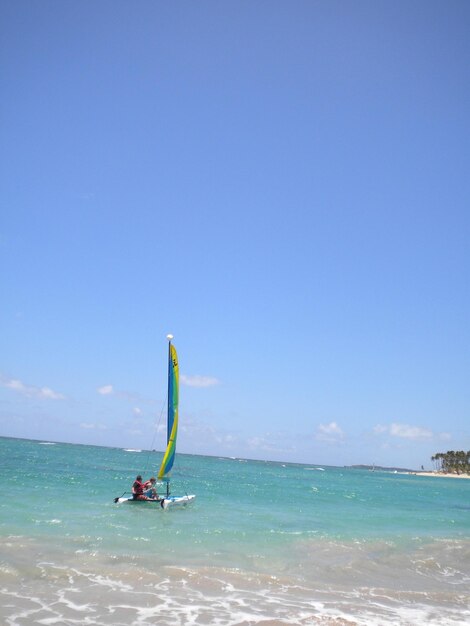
264, 543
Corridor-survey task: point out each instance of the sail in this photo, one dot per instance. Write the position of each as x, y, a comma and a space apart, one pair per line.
172, 421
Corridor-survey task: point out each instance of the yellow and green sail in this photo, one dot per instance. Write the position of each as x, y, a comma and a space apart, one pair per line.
172, 420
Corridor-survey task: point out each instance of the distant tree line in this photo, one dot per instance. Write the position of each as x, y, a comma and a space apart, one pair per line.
452, 462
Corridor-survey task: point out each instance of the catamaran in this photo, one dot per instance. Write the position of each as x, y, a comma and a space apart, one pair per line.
168, 500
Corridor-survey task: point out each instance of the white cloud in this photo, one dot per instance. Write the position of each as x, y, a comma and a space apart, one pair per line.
272, 443
30, 391
137, 411
109, 390
404, 431
331, 429
205, 436
330, 433
45, 392
106, 390
17, 385
198, 381
380, 428
409, 432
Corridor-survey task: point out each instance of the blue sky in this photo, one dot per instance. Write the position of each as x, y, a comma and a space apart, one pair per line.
282, 185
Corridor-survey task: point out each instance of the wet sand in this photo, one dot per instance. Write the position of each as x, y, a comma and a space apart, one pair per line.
440, 474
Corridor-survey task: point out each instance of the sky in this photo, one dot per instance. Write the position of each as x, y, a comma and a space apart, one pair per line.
283, 186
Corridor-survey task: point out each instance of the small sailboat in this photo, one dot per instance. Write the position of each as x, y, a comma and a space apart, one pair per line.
169, 500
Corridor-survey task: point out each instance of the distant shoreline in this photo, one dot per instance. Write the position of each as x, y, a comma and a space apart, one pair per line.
410, 472
439, 474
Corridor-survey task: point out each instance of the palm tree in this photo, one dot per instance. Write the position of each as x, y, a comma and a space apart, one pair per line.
452, 461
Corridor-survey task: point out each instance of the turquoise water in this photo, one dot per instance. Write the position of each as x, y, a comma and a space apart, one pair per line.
272, 542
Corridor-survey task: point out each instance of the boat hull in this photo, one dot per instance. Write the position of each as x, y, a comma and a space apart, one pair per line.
177, 501
164, 503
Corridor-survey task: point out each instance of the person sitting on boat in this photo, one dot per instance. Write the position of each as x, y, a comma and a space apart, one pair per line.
150, 489
138, 489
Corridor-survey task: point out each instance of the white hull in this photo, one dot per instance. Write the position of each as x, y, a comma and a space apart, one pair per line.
164, 503
177, 501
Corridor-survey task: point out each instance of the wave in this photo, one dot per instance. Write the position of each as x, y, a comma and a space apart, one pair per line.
74, 588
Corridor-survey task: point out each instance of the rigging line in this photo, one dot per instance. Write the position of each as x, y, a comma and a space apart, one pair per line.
156, 429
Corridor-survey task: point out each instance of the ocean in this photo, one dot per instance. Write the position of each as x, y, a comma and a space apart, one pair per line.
263, 543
